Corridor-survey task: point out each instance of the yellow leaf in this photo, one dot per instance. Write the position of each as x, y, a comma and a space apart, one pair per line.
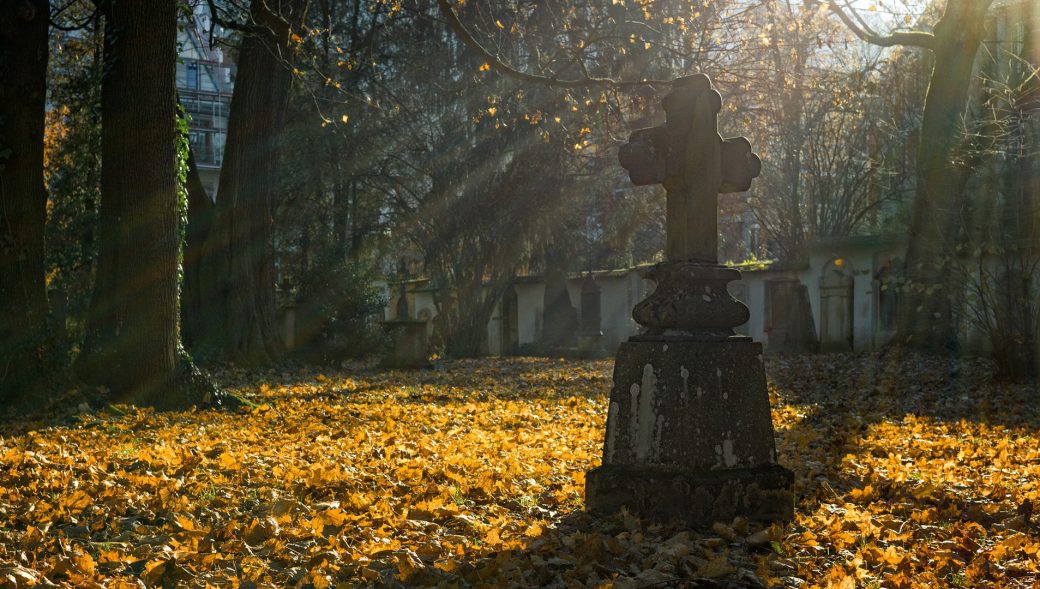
84, 563
447, 565
893, 556
846, 582
226, 460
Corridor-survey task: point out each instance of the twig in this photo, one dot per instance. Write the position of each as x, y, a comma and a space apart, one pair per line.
506, 69
864, 32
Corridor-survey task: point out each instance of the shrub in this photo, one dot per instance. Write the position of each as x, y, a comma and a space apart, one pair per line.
338, 309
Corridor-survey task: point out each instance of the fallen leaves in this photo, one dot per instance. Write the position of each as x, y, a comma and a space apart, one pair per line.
920, 473
473, 475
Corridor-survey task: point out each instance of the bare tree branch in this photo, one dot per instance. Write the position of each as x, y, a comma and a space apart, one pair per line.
864, 32
251, 27
505, 69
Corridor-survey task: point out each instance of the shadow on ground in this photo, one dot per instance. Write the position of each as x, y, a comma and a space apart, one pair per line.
893, 525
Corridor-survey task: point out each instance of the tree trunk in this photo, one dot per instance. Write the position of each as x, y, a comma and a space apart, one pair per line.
926, 319
23, 198
1013, 335
466, 313
132, 335
238, 271
790, 77
356, 236
200, 219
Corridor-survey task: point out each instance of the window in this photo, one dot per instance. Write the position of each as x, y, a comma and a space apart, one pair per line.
193, 74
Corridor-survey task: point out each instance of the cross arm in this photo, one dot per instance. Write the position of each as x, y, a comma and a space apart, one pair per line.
739, 165
644, 156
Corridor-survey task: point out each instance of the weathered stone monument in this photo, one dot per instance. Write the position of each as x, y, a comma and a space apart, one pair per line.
410, 346
789, 321
559, 318
590, 336
689, 432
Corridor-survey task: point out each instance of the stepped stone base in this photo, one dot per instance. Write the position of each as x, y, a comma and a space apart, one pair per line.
689, 434
697, 498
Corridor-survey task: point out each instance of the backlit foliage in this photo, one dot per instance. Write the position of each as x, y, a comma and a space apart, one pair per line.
473, 475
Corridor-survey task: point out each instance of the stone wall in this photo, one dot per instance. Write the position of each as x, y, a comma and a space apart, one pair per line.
850, 311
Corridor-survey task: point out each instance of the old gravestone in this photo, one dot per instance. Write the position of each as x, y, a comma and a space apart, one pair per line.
590, 336
410, 347
789, 321
689, 432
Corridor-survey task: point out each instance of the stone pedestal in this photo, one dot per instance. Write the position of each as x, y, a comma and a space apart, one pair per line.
696, 498
689, 431
410, 346
690, 436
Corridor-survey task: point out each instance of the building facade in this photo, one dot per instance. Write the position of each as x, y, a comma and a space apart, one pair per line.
205, 79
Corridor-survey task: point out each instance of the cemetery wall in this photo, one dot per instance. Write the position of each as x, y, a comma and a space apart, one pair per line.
849, 306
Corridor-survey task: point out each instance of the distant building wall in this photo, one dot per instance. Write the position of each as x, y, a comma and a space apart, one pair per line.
205, 81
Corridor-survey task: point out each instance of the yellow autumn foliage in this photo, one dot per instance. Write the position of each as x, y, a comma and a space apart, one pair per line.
472, 475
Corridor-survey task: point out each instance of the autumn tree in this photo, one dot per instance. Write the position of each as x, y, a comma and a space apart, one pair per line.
499, 167
1001, 266
557, 85
331, 197
236, 320
815, 116
23, 198
132, 343
926, 317
73, 166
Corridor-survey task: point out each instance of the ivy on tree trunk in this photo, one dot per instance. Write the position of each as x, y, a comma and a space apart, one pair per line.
132, 345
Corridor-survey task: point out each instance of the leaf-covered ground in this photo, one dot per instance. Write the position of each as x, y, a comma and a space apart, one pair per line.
473, 475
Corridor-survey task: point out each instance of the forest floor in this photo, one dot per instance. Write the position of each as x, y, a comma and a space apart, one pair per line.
472, 474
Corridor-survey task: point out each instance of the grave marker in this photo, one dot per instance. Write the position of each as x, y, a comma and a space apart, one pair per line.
689, 432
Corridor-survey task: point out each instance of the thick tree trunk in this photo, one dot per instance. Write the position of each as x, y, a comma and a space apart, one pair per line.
132, 335
238, 271
200, 219
926, 319
23, 198
1013, 335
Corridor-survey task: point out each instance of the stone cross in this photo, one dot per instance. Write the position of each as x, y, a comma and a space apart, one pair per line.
689, 433
694, 163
